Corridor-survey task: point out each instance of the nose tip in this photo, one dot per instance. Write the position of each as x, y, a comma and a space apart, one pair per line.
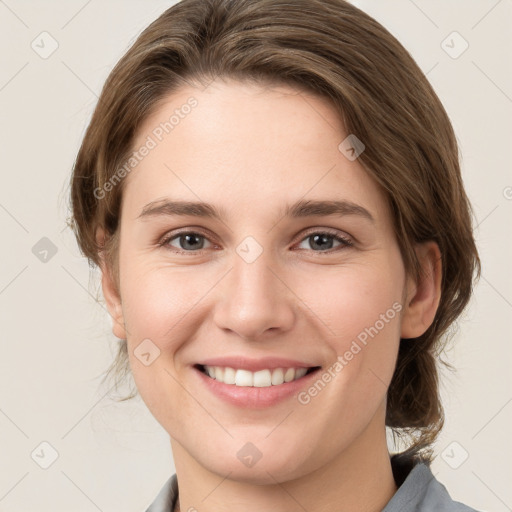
255, 301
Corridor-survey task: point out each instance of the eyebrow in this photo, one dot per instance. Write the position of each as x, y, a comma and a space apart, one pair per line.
300, 209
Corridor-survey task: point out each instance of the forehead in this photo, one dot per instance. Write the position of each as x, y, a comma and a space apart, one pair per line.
248, 146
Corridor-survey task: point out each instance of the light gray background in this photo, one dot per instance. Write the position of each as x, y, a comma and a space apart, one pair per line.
56, 339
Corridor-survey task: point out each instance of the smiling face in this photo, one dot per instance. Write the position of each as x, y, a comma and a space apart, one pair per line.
269, 277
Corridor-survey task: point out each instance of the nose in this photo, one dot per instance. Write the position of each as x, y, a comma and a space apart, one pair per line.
254, 300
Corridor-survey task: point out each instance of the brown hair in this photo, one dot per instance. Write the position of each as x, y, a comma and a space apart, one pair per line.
334, 50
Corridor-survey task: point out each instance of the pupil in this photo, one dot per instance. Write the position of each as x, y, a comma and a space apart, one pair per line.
186, 240
324, 239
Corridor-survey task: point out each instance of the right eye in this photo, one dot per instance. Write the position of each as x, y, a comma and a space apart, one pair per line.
187, 241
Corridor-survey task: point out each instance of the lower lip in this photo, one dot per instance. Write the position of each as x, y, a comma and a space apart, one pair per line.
254, 397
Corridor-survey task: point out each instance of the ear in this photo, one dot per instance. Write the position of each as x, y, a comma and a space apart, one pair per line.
110, 292
423, 296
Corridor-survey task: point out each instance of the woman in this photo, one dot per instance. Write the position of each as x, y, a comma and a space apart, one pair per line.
273, 194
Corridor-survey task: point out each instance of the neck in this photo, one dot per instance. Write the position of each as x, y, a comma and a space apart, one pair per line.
358, 478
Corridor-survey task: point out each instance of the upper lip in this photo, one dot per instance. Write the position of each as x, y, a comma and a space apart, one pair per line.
254, 365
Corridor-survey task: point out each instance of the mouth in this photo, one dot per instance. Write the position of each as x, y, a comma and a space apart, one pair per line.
264, 378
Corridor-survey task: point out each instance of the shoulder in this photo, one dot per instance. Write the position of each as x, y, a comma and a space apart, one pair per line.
420, 491
436, 496
166, 498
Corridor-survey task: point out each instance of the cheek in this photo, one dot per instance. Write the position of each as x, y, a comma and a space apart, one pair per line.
158, 302
349, 300
359, 308
160, 308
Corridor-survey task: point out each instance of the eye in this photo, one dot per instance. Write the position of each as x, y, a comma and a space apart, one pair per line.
188, 241
324, 241
192, 241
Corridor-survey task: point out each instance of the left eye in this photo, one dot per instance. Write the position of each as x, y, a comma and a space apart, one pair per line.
324, 241
194, 242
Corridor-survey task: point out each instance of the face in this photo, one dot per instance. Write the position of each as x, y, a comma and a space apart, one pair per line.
270, 283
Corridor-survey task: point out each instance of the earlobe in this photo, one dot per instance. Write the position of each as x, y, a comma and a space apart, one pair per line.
423, 296
118, 326
110, 292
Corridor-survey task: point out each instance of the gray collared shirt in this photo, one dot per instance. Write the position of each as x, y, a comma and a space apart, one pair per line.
418, 491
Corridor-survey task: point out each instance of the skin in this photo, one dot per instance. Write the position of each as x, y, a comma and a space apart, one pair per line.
249, 150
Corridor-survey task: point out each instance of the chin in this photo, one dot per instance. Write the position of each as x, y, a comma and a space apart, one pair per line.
260, 463
264, 472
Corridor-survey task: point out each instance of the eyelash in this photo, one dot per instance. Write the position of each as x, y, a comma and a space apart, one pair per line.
345, 242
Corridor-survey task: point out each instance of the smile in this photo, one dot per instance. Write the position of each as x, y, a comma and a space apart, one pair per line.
260, 379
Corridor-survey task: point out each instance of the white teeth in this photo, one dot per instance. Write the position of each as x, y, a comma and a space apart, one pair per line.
243, 378
229, 376
300, 372
288, 376
277, 377
262, 379
259, 379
